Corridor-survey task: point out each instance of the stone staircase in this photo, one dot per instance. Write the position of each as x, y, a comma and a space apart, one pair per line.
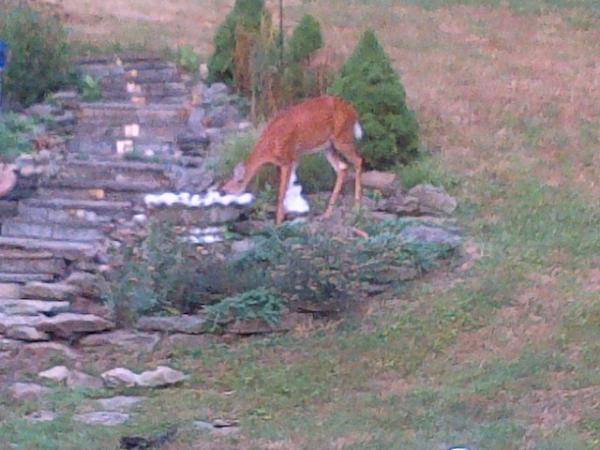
55, 245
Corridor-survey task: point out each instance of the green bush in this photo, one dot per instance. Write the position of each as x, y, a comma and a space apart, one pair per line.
14, 136
368, 81
39, 54
158, 276
305, 40
261, 303
90, 89
187, 59
245, 17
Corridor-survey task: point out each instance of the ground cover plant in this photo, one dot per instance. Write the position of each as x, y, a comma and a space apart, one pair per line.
500, 353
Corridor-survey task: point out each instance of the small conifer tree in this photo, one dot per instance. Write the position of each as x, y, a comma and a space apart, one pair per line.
244, 19
370, 83
305, 40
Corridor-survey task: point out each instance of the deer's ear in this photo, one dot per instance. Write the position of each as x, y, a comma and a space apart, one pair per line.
239, 171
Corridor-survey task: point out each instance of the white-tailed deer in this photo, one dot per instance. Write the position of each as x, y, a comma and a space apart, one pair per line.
8, 179
319, 124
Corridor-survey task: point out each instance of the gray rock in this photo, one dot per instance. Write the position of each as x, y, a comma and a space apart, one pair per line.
216, 93
9, 290
31, 307
40, 110
103, 418
190, 324
195, 121
243, 246
72, 378
433, 200
431, 235
160, 377
375, 179
25, 333
130, 340
40, 351
119, 403
50, 291
67, 325
88, 284
27, 391
41, 416
222, 116
10, 345
120, 377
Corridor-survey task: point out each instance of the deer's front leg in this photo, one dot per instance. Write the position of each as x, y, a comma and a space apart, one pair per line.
285, 172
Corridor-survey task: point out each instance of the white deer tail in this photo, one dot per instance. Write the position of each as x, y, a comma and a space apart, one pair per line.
358, 131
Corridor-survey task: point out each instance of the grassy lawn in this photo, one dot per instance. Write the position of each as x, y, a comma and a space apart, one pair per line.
501, 351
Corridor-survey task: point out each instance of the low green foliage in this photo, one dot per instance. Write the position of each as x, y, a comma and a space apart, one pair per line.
15, 136
370, 83
187, 59
256, 304
159, 277
39, 54
90, 89
426, 170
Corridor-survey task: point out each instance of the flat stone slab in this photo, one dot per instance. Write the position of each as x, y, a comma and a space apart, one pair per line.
25, 277
28, 307
25, 333
189, 324
61, 248
27, 391
7, 322
119, 403
68, 324
10, 290
129, 340
159, 377
102, 418
50, 291
72, 378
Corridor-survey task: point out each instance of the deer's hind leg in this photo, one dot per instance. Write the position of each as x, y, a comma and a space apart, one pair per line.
347, 149
341, 170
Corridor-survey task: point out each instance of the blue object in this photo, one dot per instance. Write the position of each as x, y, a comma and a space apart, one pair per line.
3, 54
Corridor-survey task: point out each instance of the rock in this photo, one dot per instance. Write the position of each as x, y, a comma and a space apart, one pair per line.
25, 333
195, 121
401, 205
193, 142
31, 307
216, 93
27, 391
203, 70
161, 376
132, 341
119, 403
103, 418
431, 235
47, 351
120, 377
8, 322
72, 378
383, 181
10, 345
433, 200
41, 416
242, 246
67, 325
40, 110
190, 324
89, 285
50, 291
9, 290
222, 116
82, 305
58, 374
83, 380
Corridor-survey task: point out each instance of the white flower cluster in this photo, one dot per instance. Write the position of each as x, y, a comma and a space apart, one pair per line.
212, 197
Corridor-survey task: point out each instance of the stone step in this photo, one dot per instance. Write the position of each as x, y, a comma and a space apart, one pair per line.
13, 260
98, 206
25, 277
28, 307
10, 290
122, 113
50, 291
69, 193
53, 231
63, 325
152, 75
106, 185
92, 132
68, 216
63, 249
8, 208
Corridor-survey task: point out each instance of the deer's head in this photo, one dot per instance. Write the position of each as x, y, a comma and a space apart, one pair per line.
237, 184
